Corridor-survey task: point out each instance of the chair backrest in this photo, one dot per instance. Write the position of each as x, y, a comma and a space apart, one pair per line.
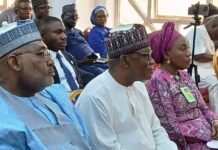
215, 63
74, 95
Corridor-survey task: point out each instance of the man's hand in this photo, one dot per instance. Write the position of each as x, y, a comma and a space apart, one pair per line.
215, 129
203, 57
85, 61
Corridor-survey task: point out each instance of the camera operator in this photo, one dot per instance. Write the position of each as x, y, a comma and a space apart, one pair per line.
212, 10
205, 46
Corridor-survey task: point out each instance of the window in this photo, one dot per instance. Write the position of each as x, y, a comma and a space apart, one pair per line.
173, 8
153, 13
128, 14
5, 4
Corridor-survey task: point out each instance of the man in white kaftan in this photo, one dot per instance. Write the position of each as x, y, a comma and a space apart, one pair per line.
116, 106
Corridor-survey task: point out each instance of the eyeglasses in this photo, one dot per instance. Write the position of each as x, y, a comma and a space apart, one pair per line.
101, 16
26, 8
46, 55
147, 56
73, 15
45, 7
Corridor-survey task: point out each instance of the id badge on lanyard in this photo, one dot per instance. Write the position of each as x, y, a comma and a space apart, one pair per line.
187, 94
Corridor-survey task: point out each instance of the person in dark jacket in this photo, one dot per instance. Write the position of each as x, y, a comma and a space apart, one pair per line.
78, 46
67, 73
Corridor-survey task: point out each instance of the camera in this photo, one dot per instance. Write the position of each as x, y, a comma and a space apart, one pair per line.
198, 9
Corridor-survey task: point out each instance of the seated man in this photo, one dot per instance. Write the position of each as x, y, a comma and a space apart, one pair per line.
116, 106
31, 119
78, 46
22, 10
67, 73
41, 9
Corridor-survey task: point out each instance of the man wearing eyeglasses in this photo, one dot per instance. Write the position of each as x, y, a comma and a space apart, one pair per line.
78, 46
41, 9
67, 72
22, 10
33, 115
115, 105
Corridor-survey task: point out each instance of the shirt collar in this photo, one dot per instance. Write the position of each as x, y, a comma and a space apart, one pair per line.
54, 54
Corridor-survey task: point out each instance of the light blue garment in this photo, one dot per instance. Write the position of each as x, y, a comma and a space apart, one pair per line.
15, 135
57, 94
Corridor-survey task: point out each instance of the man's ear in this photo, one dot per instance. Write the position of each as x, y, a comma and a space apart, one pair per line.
14, 62
124, 61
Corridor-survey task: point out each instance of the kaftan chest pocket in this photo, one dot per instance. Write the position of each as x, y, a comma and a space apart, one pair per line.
64, 136
184, 99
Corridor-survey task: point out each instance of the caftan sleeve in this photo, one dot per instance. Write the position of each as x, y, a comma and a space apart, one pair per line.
14, 135
160, 135
99, 123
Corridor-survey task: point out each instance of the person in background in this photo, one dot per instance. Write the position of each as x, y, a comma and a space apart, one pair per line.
212, 10
115, 105
78, 46
22, 10
41, 9
206, 43
66, 71
99, 31
32, 116
174, 95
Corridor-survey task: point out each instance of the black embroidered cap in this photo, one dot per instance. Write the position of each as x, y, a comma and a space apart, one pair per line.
126, 39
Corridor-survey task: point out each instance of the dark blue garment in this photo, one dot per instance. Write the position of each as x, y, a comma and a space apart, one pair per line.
82, 76
95, 68
86, 76
96, 40
77, 45
69, 77
94, 13
80, 49
14, 134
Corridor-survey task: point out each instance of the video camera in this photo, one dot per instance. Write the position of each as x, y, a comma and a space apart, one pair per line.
198, 9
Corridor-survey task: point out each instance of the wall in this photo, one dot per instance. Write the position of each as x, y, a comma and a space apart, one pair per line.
84, 8
57, 6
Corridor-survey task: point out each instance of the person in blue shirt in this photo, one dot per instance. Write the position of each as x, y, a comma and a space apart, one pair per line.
99, 31
78, 46
35, 113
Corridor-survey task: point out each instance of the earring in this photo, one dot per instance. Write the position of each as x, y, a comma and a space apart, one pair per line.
168, 61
